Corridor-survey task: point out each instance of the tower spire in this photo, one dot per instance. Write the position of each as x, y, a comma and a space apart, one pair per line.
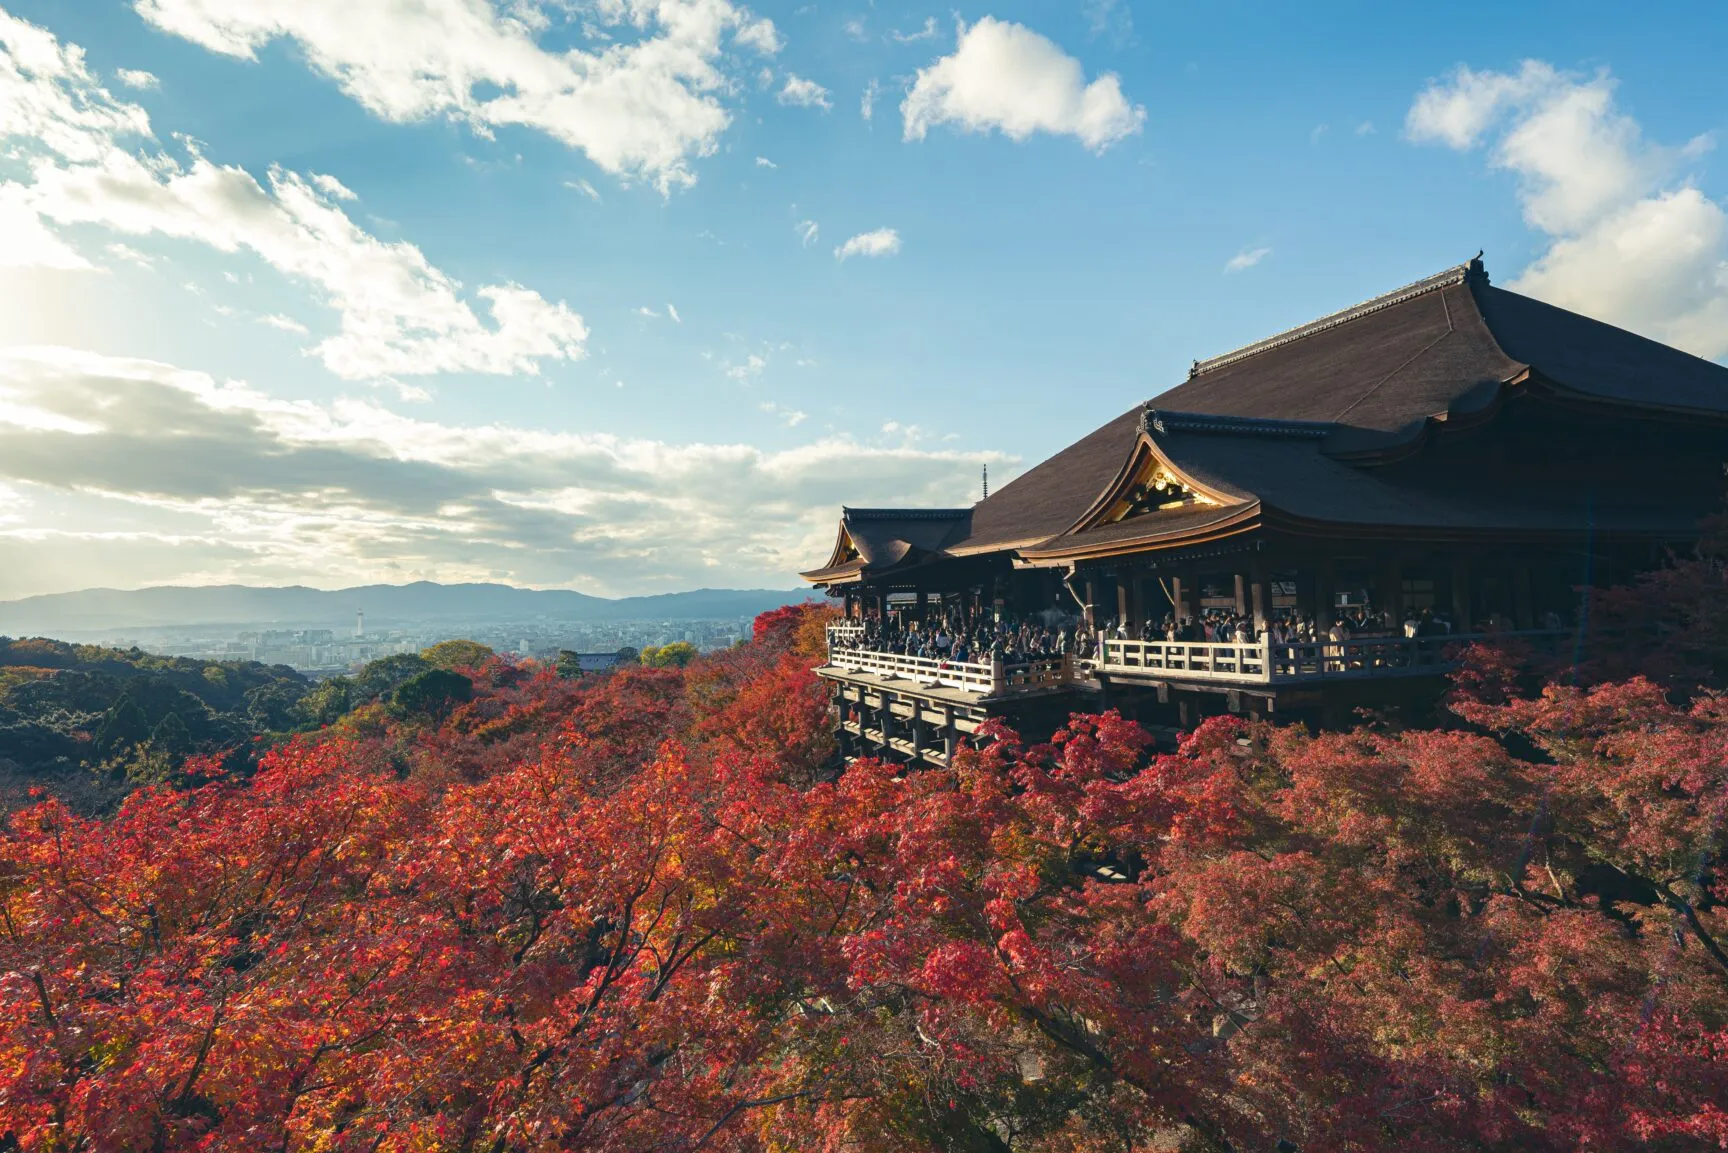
986, 482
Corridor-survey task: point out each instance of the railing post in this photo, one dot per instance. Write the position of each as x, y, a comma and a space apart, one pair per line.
998, 675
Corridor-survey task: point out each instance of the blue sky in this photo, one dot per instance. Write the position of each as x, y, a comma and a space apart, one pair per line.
628, 296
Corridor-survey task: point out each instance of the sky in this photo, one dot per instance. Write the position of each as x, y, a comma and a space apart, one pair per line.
630, 296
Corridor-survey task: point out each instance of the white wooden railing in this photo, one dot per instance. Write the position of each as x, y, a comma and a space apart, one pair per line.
988, 677
1265, 662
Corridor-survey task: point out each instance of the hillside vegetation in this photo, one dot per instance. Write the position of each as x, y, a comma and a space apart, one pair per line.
645, 912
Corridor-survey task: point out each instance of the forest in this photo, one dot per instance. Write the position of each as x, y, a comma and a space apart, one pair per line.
645, 910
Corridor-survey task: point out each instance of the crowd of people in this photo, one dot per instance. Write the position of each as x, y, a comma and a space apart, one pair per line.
986, 637
980, 638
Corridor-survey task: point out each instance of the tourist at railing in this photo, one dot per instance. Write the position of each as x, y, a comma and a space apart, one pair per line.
981, 641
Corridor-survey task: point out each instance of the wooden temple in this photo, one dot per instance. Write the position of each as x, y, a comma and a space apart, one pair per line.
1451, 450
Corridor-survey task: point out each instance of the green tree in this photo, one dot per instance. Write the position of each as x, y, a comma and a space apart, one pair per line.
433, 693
171, 736
569, 664
124, 725
380, 677
457, 654
675, 655
327, 702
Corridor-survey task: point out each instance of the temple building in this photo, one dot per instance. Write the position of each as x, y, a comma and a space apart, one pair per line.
1302, 527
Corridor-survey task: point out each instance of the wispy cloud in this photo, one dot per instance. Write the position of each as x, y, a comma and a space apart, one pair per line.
867, 102
764, 162
585, 188
1247, 258
285, 323
928, 32
881, 242
136, 78
802, 93
807, 231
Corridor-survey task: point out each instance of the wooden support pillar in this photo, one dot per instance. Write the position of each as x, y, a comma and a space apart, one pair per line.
1523, 596
1261, 596
917, 732
1182, 594
1461, 622
1136, 602
923, 606
1392, 577
1241, 594
1091, 609
1325, 594
949, 734
1124, 600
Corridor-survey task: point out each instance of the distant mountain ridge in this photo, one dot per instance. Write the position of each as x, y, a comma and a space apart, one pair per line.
178, 605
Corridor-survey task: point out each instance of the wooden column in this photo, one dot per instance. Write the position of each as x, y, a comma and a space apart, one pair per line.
949, 734
1392, 577
1182, 593
1325, 594
1241, 594
1091, 588
1461, 622
1523, 597
1261, 595
1124, 599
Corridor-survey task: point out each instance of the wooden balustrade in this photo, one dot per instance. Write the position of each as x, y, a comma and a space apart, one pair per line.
1266, 662
990, 678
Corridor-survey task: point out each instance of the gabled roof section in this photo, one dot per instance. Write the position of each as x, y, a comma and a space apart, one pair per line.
876, 540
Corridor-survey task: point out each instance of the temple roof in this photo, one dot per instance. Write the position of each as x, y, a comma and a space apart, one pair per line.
1283, 426
878, 540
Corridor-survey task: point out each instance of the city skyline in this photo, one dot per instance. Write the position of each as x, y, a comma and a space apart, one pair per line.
627, 297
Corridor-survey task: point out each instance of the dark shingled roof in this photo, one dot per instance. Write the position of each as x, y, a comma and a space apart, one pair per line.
1383, 367
1373, 375
1046, 500
887, 538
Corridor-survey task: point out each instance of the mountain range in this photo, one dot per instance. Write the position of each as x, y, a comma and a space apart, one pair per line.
165, 606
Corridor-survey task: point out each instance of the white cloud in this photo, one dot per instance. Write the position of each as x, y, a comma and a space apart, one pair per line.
856, 30
790, 417
136, 78
285, 323
26, 242
643, 107
1110, 18
1366, 128
749, 369
673, 313
1630, 238
398, 315
807, 231
176, 474
802, 93
644, 310
928, 32
764, 162
585, 188
867, 102
1007, 77
129, 254
1247, 258
881, 242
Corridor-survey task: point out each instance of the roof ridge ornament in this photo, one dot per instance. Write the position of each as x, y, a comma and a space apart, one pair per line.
1472, 271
